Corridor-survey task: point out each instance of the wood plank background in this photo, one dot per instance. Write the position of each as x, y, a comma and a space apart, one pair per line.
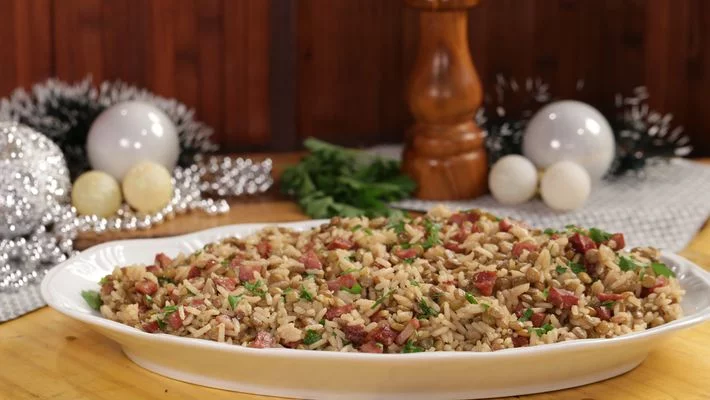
267, 73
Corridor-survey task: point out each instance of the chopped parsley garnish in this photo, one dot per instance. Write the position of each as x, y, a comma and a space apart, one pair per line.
161, 324
397, 226
485, 306
311, 276
322, 321
288, 289
409, 347
352, 258
470, 298
234, 300
560, 270
148, 298
92, 298
426, 310
432, 234
197, 253
255, 288
609, 303
167, 310
545, 293
311, 337
526, 315
356, 228
413, 282
382, 298
103, 280
549, 232
570, 226
662, 269
409, 260
627, 264
355, 289
164, 281
405, 245
576, 267
542, 330
599, 235
225, 263
368, 231
305, 295
350, 270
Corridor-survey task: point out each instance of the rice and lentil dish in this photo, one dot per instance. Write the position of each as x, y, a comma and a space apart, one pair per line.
464, 281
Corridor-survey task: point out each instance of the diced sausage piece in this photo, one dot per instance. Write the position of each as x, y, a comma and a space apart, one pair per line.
610, 296
660, 282
460, 218
197, 302
107, 287
383, 334
174, 320
194, 273
619, 241
146, 287
562, 298
263, 340
371, 347
344, 281
227, 283
154, 269
537, 319
504, 225
520, 246
581, 243
355, 334
311, 261
603, 313
453, 246
520, 341
484, 281
264, 249
151, 327
335, 312
407, 332
340, 243
405, 253
162, 260
248, 272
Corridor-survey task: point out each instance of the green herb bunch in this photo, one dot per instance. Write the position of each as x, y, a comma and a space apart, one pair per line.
335, 181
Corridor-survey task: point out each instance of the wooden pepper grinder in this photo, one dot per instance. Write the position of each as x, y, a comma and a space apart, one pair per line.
444, 151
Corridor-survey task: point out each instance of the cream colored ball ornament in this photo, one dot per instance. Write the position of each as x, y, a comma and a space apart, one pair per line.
148, 187
128, 133
96, 193
573, 131
565, 186
513, 180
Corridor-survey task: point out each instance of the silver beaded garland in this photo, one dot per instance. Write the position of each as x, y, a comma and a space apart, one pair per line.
38, 226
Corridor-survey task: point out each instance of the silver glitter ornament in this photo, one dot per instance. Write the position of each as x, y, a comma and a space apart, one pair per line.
33, 175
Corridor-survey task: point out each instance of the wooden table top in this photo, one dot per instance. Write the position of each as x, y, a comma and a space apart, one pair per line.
45, 355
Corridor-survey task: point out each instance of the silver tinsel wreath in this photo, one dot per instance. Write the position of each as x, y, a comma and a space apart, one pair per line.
64, 112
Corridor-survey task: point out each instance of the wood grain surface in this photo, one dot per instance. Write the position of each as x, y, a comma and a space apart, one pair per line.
266, 73
45, 355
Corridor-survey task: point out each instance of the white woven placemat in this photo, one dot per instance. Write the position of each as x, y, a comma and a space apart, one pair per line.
665, 210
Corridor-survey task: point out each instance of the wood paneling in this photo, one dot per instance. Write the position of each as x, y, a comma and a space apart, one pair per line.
213, 55
267, 73
25, 43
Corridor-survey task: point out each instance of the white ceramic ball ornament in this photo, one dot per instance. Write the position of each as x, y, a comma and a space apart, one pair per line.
96, 193
148, 187
513, 180
565, 186
570, 130
128, 133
